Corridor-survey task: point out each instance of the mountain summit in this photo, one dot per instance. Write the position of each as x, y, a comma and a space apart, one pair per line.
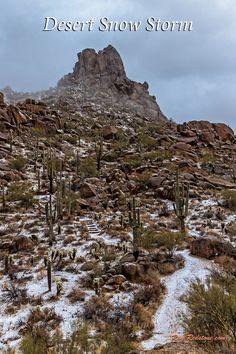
102, 78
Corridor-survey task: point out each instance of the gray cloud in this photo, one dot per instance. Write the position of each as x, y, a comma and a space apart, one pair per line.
192, 74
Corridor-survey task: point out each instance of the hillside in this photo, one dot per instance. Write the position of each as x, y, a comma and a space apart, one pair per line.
108, 210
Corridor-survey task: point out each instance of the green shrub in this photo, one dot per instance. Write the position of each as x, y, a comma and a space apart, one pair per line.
71, 140
145, 140
21, 191
80, 342
35, 342
229, 197
38, 132
9, 351
212, 307
148, 238
117, 340
231, 229
88, 167
208, 156
170, 240
133, 161
158, 155
18, 163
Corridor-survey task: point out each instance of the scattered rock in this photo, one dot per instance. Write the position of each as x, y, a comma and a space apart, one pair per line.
87, 190
22, 243
116, 280
109, 132
87, 266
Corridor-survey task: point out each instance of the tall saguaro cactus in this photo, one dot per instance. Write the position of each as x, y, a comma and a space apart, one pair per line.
181, 201
51, 170
134, 221
99, 152
49, 275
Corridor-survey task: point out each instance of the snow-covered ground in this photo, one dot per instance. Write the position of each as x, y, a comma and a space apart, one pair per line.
10, 324
167, 318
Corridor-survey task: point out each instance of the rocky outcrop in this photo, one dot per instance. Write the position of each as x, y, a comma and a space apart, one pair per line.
204, 247
101, 76
11, 114
109, 132
87, 190
22, 243
207, 132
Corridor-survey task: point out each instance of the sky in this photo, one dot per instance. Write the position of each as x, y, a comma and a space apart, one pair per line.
192, 74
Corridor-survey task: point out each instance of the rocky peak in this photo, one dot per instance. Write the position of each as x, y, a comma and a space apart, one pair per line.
106, 62
101, 77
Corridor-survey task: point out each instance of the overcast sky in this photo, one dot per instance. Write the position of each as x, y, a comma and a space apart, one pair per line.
192, 74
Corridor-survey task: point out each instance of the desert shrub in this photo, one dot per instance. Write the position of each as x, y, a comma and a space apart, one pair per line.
108, 254
133, 161
21, 191
227, 263
231, 229
145, 140
143, 317
117, 340
14, 294
35, 342
148, 238
142, 179
76, 294
148, 294
80, 341
47, 316
71, 139
229, 197
18, 163
97, 309
155, 128
208, 156
158, 155
121, 142
170, 240
88, 167
212, 307
166, 268
38, 132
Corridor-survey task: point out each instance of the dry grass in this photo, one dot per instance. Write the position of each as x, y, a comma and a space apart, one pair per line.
76, 295
166, 268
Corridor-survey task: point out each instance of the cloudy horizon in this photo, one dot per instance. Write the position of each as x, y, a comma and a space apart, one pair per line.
192, 74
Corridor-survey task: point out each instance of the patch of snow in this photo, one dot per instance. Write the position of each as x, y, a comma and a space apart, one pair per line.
167, 318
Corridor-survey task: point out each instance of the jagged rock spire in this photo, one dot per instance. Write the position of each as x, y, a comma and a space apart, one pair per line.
102, 77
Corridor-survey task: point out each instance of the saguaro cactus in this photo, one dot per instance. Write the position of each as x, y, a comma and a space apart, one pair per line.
11, 140
99, 152
181, 201
134, 221
51, 170
6, 261
3, 197
77, 161
49, 275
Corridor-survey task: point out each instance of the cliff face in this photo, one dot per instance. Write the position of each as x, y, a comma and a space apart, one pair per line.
101, 77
